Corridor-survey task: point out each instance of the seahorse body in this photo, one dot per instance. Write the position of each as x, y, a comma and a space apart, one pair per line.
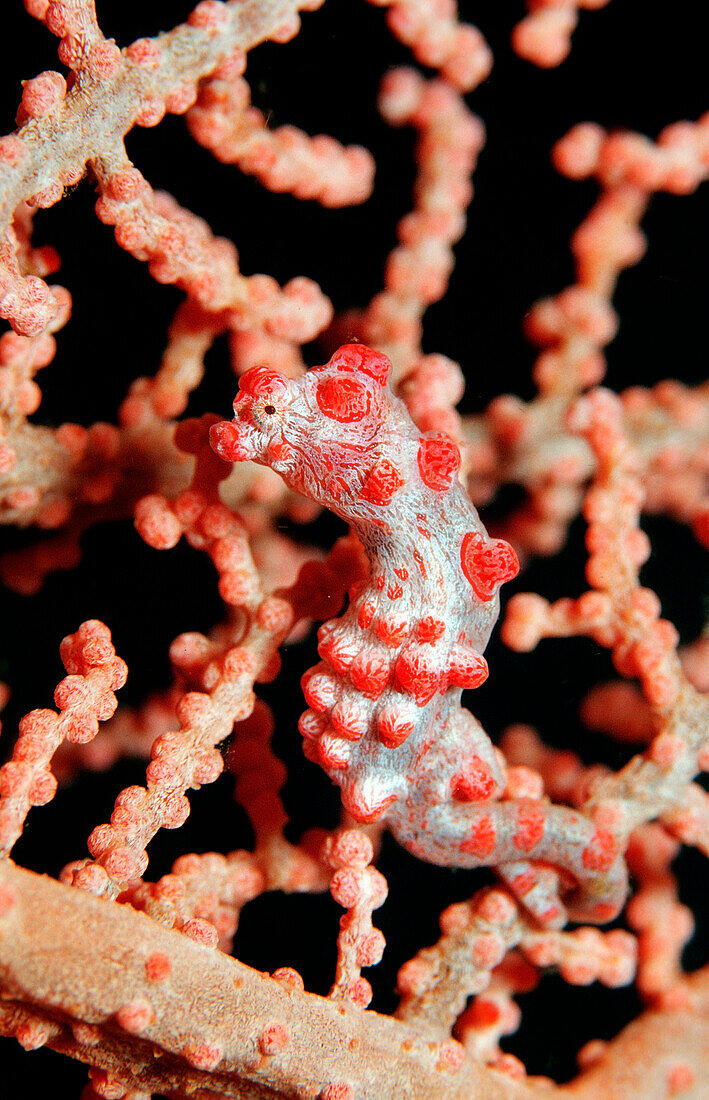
393, 666
385, 718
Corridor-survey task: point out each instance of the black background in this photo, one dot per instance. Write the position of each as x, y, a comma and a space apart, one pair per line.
627, 70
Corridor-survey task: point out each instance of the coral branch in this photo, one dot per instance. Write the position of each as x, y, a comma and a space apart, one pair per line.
84, 697
360, 889
134, 977
43, 158
210, 1019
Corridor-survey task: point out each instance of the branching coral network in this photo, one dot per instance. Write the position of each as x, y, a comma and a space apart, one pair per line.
131, 964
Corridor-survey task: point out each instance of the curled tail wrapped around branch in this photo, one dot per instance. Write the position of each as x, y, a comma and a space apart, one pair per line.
384, 715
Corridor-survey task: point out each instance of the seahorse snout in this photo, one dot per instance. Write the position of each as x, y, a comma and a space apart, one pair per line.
230, 441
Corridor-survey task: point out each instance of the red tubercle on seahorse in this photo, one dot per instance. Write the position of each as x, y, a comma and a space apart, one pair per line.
311, 725
487, 565
336, 650
430, 629
359, 359
385, 718
474, 783
466, 668
438, 460
319, 688
367, 612
343, 399
331, 752
530, 827
601, 852
482, 839
349, 720
392, 630
382, 481
262, 382
417, 674
370, 673
393, 726
363, 809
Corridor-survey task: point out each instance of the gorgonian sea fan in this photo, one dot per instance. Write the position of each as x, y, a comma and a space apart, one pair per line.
198, 550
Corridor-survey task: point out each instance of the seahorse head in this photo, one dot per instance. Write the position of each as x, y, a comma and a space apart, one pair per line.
321, 432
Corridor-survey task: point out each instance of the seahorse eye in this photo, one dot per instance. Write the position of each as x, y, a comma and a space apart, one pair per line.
269, 409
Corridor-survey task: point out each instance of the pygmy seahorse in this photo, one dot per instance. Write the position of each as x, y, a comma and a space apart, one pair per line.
385, 718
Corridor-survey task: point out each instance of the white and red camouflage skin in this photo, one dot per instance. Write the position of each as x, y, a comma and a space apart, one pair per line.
385, 718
